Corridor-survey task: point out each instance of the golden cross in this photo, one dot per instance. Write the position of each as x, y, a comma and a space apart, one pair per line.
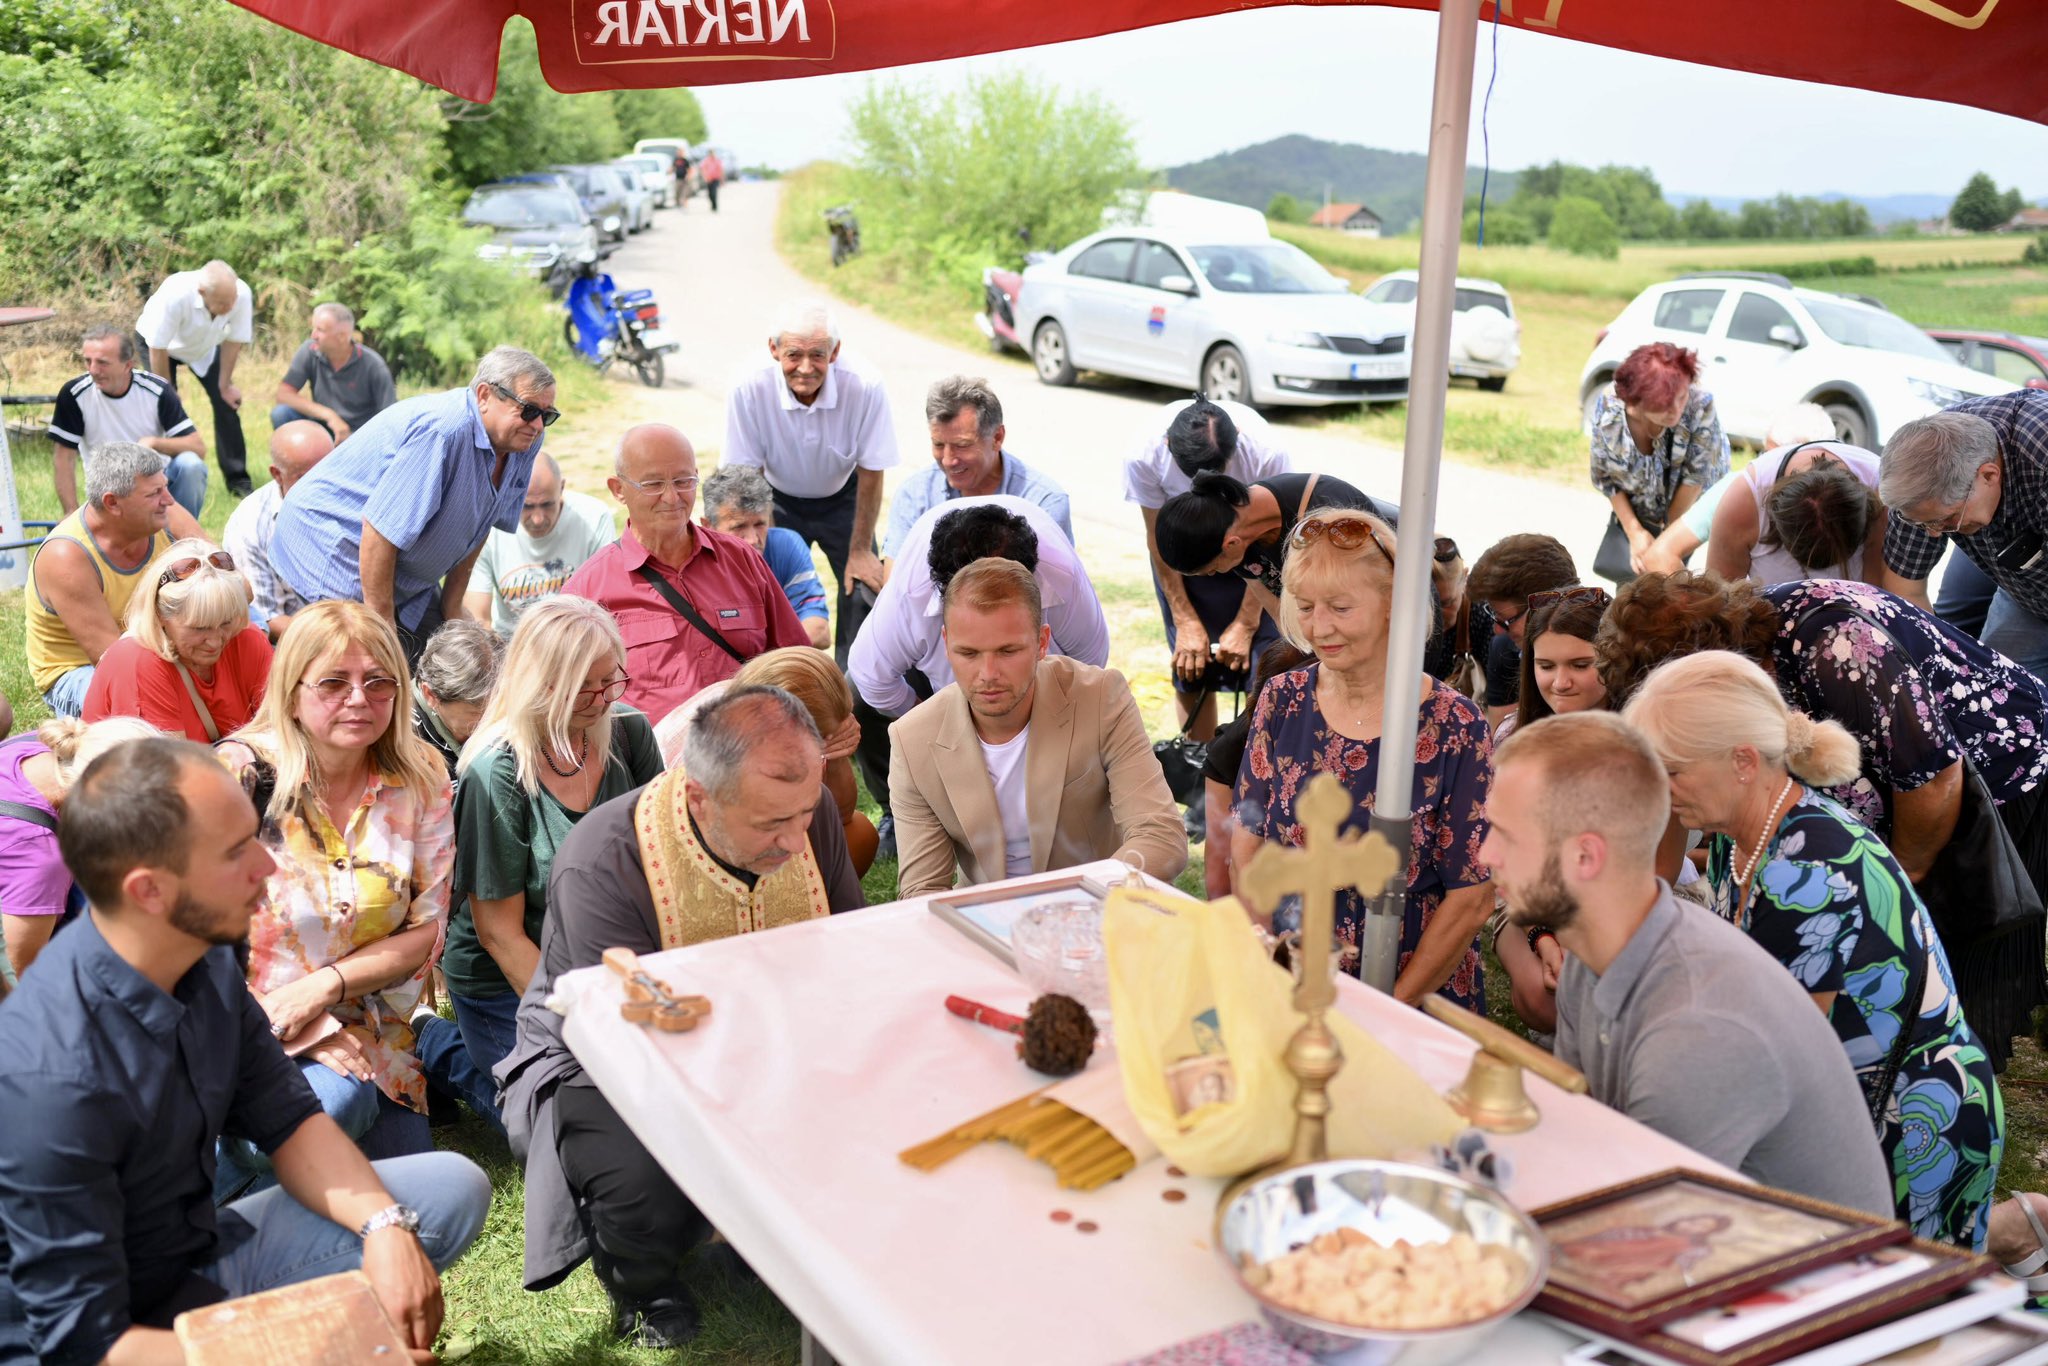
1325, 864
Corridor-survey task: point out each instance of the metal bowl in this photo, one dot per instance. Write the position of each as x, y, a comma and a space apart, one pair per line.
1385, 1201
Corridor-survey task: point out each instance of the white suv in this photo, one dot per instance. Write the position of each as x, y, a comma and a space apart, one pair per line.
1765, 344
1486, 341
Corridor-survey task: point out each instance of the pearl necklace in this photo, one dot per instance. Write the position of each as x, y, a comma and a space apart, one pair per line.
548, 753
1763, 840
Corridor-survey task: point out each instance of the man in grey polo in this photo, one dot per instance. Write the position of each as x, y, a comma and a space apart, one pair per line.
334, 379
1677, 1018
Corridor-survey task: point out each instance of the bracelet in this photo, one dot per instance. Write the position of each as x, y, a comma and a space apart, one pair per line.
342, 995
1537, 932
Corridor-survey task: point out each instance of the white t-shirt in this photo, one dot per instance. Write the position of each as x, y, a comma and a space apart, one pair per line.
809, 451
518, 571
1006, 770
1151, 477
175, 319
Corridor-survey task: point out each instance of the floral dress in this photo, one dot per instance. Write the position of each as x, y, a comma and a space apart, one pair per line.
1835, 908
1694, 452
1290, 743
336, 891
1915, 692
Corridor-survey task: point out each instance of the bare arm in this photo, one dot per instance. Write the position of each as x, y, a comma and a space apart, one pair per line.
1874, 570
378, 559
818, 629
66, 580
296, 400
24, 937
1687, 495
1924, 818
501, 929
457, 584
369, 969
1736, 528
146, 1347
64, 474
1451, 931
478, 605
1672, 548
1912, 590
1191, 643
1671, 850
230, 352
182, 524
861, 563
1532, 990
159, 361
191, 443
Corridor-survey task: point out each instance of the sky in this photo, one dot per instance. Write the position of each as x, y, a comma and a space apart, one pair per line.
1362, 74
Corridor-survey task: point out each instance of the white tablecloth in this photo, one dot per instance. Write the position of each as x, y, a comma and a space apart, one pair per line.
830, 1051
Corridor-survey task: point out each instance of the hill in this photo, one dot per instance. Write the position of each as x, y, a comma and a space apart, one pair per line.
1389, 183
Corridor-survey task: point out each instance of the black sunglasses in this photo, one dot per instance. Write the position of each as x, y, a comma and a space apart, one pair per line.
528, 412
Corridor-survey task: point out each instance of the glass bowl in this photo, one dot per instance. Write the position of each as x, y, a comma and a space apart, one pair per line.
1058, 947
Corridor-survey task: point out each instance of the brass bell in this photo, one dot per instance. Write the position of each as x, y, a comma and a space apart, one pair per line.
1492, 1097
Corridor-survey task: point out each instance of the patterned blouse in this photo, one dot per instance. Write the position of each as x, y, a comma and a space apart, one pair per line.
1694, 452
1915, 692
336, 891
1833, 906
1290, 743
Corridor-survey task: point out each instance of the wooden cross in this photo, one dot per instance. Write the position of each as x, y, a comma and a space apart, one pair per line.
1326, 863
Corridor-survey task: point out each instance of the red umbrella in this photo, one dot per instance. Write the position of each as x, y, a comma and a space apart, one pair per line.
1987, 53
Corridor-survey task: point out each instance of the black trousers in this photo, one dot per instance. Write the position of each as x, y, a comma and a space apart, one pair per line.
828, 524
642, 1227
414, 639
872, 755
711, 189
229, 449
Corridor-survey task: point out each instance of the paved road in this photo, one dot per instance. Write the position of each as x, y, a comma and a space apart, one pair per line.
721, 284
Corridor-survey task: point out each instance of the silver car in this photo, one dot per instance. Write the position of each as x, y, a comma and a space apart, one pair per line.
654, 174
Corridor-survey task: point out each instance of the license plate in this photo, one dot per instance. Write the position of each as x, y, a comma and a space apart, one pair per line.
1375, 369
654, 339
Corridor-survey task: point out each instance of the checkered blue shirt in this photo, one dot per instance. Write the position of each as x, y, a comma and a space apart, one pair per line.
2021, 421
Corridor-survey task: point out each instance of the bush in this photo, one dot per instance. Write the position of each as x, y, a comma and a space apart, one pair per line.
1583, 228
2036, 253
1504, 228
1285, 208
1827, 268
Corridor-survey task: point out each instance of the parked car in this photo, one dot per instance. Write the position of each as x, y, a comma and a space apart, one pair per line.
1765, 344
537, 225
605, 194
1486, 341
1219, 306
656, 175
2008, 355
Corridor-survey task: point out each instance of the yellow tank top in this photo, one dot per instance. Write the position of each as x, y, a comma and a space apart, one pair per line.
52, 652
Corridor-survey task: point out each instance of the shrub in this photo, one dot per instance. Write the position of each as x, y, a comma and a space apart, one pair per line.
1285, 208
1827, 268
1504, 228
1583, 228
528, 124
2036, 253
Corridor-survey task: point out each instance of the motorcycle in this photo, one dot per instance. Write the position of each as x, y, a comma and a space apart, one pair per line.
998, 317
845, 230
607, 324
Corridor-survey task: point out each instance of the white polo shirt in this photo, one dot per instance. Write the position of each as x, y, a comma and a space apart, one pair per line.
904, 631
175, 319
1151, 477
809, 452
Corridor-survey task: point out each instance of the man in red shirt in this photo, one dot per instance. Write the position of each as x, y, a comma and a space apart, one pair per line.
665, 571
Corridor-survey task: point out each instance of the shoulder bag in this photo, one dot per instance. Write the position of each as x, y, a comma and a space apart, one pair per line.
689, 613
198, 703
1611, 561
1182, 758
34, 815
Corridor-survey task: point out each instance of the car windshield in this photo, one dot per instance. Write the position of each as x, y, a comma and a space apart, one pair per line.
1264, 268
1856, 325
526, 207
642, 164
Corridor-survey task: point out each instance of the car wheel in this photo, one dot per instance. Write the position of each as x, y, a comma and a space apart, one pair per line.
1589, 404
1852, 428
1493, 384
1225, 378
1049, 354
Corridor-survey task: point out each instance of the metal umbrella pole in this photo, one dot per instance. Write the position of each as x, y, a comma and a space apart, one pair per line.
1443, 219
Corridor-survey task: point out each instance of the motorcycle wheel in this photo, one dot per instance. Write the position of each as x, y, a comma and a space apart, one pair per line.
651, 369
839, 252
569, 332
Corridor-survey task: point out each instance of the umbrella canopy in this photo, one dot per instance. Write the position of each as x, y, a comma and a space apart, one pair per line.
1987, 53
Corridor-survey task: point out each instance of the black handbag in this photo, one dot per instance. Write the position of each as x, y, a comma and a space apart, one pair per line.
1611, 561
1182, 758
1978, 888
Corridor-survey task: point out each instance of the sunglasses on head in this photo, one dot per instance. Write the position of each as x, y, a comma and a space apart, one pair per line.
1345, 533
529, 412
180, 570
1446, 550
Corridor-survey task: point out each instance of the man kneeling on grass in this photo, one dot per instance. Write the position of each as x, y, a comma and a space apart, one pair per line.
131, 1049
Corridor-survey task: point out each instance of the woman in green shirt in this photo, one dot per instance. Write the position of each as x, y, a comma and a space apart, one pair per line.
554, 742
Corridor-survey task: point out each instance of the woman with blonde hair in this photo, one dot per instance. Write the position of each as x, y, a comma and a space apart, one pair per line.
192, 662
554, 742
1811, 884
357, 812
36, 770
812, 678
1336, 600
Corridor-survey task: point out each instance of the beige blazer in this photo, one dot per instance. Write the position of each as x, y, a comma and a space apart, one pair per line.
1094, 789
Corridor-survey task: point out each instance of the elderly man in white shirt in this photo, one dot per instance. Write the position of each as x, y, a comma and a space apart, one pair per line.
899, 658
820, 430
201, 319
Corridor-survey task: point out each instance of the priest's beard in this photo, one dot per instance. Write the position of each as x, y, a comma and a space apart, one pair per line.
1544, 899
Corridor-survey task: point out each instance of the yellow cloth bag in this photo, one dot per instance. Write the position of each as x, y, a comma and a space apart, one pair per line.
1202, 1017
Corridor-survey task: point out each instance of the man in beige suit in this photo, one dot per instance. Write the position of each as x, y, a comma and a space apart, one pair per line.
1026, 762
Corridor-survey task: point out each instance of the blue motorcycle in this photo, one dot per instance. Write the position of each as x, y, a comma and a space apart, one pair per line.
607, 324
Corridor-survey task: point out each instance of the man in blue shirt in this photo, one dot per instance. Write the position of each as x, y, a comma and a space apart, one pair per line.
737, 500
131, 1048
968, 461
397, 516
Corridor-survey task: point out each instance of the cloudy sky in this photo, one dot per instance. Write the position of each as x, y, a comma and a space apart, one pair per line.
1357, 74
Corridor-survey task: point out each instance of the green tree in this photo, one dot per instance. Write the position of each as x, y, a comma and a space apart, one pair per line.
1504, 227
2011, 203
952, 180
1756, 219
1581, 227
1700, 221
529, 125
658, 114
1980, 207
1285, 208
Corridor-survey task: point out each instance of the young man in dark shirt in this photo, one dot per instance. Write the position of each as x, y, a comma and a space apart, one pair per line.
131, 1049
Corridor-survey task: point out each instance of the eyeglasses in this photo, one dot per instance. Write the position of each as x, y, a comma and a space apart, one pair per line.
529, 412
1345, 533
1940, 528
1552, 597
334, 691
658, 488
607, 694
180, 570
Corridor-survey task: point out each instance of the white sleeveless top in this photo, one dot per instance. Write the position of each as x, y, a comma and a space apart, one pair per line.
1774, 564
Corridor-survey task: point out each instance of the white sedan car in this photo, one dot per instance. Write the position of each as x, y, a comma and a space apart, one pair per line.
1252, 320
1486, 341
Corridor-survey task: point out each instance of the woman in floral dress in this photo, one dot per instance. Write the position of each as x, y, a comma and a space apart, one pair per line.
1810, 883
1325, 718
357, 812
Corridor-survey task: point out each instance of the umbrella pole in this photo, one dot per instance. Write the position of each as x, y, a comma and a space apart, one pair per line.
1443, 219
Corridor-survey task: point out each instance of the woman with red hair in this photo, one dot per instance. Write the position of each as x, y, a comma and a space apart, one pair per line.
1657, 442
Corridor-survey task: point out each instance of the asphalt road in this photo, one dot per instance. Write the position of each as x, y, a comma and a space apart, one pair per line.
722, 284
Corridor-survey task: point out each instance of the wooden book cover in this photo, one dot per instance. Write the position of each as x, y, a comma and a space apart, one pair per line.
332, 1321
